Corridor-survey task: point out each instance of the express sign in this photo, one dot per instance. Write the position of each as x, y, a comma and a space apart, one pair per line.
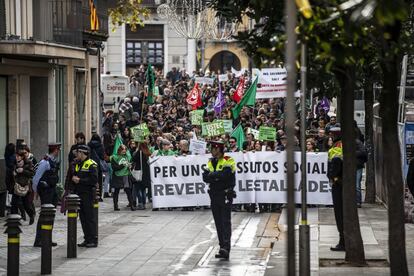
115, 86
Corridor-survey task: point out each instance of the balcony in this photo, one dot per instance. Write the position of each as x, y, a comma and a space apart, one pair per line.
68, 22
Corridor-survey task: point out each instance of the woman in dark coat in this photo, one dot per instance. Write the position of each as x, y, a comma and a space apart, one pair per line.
23, 173
98, 155
140, 162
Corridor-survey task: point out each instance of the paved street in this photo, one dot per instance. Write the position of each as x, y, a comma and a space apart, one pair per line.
155, 243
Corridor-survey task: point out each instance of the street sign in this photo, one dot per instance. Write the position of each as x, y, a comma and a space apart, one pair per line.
115, 86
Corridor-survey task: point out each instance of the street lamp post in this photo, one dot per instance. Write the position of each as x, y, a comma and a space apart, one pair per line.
304, 243
290, 122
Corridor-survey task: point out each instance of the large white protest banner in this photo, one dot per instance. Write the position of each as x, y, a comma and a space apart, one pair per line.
260, 178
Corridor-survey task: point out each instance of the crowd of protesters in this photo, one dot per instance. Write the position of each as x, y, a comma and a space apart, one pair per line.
169, 123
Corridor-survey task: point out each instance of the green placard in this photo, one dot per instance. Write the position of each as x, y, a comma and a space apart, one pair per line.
267, 133
196, 117
140, 132
228, 125
212, 129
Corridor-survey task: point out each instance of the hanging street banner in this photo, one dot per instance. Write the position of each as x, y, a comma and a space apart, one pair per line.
196, 117
140, 132
267, 133
212, 129
204, 80
260, 178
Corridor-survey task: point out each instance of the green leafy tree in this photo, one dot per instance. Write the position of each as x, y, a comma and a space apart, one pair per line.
128, 12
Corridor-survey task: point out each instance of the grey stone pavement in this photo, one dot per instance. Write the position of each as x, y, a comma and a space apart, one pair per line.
154, 243
184, 243
374, 229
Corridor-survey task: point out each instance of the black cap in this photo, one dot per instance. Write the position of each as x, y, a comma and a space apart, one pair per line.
56, 145
217, 144
83, 148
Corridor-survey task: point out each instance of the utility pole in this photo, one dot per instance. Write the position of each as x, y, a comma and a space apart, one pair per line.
304, 243
290, 122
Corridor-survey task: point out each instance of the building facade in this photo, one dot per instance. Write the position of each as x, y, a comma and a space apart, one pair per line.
50, 71
159, 44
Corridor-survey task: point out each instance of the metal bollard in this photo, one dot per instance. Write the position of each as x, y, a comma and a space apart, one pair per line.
73, 203
96, 211
47, 217
13, 244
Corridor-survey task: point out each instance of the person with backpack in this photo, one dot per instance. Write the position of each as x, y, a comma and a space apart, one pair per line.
45, 181
97, 154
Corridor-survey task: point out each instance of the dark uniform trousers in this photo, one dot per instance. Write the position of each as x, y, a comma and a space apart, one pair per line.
87, 172
48, 195
222, 217
87, 216
338, 208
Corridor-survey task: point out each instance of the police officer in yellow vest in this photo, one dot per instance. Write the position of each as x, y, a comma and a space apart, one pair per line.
335, 177
85, 179
220, 175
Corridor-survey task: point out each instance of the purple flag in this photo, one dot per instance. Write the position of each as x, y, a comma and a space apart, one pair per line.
220, 101
324, 104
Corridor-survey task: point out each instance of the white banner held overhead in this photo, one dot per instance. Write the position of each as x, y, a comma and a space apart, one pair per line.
223, 77
197, 146
204, 80
238, 74
260, 178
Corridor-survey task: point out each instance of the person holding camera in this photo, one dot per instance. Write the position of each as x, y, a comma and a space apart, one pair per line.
221, 177
44, 182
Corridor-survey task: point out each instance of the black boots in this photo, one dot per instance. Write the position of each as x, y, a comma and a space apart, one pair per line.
223, 254
340, 246
115, 198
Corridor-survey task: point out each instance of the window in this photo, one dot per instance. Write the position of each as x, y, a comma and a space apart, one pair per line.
139, 52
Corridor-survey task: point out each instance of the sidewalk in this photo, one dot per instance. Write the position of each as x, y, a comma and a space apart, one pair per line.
154, 243
374, 229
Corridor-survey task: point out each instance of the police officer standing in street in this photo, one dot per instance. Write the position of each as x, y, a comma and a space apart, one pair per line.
220, 175
44, 182
335, 177
84, 180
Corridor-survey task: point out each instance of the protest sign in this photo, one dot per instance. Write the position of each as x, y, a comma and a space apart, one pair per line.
255, 133
140, 132
267, 133
204, 80
197, 146
260, 178
196, 117
228, 125
238, 74
212, 129
272, 83
223, 77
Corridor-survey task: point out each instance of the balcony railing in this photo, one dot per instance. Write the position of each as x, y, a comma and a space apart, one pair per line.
58, 21
68, 21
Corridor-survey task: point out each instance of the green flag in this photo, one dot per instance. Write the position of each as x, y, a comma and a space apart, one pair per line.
117, 144
238, 133
150, 76
249, 99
